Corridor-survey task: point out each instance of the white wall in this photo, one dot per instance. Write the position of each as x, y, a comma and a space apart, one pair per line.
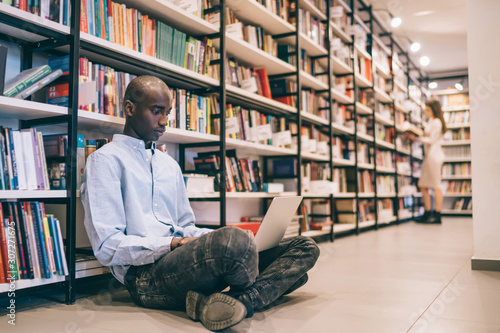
484, 83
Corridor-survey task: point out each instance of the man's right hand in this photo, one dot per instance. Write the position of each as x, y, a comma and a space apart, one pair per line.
179, 241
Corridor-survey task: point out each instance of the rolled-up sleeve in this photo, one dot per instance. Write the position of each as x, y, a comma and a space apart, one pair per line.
105, 218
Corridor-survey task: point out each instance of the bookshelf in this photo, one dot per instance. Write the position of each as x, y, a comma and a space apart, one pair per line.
456, 172
357, 82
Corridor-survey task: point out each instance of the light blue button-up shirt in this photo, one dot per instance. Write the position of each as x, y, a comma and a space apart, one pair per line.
134, 204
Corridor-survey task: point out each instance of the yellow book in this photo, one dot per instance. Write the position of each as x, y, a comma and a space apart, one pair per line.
50, 247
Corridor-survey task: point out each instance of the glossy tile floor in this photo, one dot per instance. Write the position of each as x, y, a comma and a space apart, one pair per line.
407, 278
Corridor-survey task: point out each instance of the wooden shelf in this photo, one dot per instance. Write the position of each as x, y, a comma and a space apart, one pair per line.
366, 195
456, 212
403, 151
366, 224
106, 45
18, 194
315, 233
385, 169
362, 81
340, 67
392, 219
366, 166
240, 195
365, 137
385, 74
363, 109
174, 16
25, 110
344, 195
457, 195
384, 144
400, 86
315, 157
343, 227
314, 118
455, 160
252, 148
23, 284
342, 162
362, 52
386, 195
452, 126
310, 81
340, 33
383, 120
342, 129
258, 15
456, 143
310, 7
30, 36
382, 96
340, 97
455, 108
235, 93
455, 177
400, 108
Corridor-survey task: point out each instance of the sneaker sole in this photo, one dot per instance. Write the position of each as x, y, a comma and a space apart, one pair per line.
200, 307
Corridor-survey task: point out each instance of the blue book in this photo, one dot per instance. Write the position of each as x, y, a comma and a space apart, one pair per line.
284, 167
106, 24
10, 146
90, 17
61, 63
43, 256
55, 244
97, 18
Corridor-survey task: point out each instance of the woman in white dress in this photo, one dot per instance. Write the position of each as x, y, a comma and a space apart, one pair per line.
430, 177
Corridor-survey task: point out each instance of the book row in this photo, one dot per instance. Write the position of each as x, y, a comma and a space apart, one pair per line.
31, 242
22, 160
457, 118
457, 152
456, 186
462, 204
457, 169
457, 134
57, 11
454, 100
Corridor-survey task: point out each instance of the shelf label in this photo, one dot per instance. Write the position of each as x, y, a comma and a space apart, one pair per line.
336, 12
282, 138
232, 126
235, 30
264, 132
336, 44
249, 84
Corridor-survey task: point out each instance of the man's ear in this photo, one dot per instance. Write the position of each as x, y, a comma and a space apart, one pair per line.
129, 108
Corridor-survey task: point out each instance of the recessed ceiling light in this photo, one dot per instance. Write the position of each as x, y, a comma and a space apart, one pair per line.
459, 86
415, 47
433, 85
423, 13
395, 22
424, 61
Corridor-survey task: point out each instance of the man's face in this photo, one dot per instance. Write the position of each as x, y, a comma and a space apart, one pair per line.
148, 114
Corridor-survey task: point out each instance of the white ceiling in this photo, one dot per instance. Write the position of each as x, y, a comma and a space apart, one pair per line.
438, 25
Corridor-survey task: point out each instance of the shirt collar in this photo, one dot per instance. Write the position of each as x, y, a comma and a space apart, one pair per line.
132, 142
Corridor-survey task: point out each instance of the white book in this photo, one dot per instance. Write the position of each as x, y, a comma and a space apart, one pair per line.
29, 159
61, 247
46, 181
21, 173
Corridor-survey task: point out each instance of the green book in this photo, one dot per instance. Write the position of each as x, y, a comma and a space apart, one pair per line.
159, 54
168, 46
24, 79
175, 41
182, 50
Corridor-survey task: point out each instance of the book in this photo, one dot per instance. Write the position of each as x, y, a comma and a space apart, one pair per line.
39, 84
25, 79
3, 64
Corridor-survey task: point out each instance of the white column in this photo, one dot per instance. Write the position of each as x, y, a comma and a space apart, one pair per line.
484, 90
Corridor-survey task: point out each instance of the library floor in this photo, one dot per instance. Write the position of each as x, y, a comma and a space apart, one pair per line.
407, 278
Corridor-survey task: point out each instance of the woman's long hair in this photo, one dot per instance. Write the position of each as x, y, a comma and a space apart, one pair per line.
437, 112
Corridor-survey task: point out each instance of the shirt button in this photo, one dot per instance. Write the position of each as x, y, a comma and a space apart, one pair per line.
135, 147
156, 205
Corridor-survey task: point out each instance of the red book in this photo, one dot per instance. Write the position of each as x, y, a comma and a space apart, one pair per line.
264, 79
22, 5
83, 17
103, 22
4, 261
368, 68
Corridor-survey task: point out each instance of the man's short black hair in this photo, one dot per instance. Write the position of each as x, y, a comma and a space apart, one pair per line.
135, 91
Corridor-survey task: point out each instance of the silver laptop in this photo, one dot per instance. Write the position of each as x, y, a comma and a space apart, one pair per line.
277, 219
